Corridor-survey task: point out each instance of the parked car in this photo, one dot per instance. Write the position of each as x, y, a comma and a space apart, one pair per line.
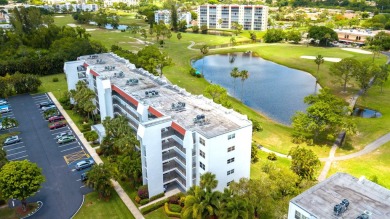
66, 139
4, 109
11, 140
84, 176
56, 118
46, 108
63, 134
3, 102
54, 113
46, 103
57, 125
84, 164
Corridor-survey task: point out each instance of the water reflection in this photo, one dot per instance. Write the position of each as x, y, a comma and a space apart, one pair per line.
275, 90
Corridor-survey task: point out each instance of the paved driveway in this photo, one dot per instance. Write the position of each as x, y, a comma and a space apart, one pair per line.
62, 192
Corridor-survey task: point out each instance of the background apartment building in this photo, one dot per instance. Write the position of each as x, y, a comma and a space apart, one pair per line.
165, 16
181, 135
251, 17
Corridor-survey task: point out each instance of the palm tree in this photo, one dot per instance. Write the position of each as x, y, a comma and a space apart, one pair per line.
201, 204
319, 60
204, 50
235, 73
235, 208
208, 181
99, 178
244, 74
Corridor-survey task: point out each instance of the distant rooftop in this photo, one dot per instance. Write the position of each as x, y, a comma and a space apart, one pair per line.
363, 195
218, 119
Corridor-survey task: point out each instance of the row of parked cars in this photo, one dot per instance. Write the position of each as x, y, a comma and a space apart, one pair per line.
4, 108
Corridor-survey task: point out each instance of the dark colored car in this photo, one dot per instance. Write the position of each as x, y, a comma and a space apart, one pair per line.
84, 164
11, 140
51, 114
57, 125
56, 118
84, 176
47, 103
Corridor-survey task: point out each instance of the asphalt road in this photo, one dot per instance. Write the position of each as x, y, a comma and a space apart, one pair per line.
62, 193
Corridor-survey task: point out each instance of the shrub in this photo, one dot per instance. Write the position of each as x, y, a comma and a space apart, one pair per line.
182, 200
169, 212
153, 207
157, 196
192, 72
86, 127
137, 199
272, 156
174, 199
91, 136
144, 201
143, 192
175, 208
55, 79
99, 151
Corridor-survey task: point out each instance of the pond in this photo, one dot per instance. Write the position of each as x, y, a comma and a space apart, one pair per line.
366, 113
275, 90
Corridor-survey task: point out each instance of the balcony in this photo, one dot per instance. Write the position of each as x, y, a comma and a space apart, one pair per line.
129, 109
173, 165
170, 143
173, 154
174, 176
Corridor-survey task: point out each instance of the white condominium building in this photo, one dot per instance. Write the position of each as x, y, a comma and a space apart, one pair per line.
165, 15
181, 135
251, 17
109, 3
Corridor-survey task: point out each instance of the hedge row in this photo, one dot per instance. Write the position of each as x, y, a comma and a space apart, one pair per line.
153, 207
169, 212
157, 196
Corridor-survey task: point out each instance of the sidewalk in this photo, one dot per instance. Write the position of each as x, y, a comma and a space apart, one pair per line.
122, 194
167, 194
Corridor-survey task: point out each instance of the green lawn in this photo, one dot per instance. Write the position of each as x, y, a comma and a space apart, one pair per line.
93, 208
157, 214
13, 213
375, 163
257, 173
57, 88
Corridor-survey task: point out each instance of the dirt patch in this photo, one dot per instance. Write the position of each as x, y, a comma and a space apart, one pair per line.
329, 59
357, 51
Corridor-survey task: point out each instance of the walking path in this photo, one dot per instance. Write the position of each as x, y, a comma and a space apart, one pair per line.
167, 194
122, 194
269, 151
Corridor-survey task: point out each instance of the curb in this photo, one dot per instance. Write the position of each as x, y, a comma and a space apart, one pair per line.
82, 203
40, 204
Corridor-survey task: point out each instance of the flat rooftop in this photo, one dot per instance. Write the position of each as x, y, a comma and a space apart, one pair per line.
363, 195
219, 120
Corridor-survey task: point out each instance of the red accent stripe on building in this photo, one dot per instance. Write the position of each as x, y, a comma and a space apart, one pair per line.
94, 73
155, 112
85, 64
124, 95
178, 128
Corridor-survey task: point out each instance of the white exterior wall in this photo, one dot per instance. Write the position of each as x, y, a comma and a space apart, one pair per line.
291, 212
70, 69
217, 156
103, 87
151, 152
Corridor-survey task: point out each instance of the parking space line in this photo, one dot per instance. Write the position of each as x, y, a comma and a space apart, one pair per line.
13, 144
39, 96
55, 133
70, 149
82, 186
15, 148
15, 153
19, 157
78, 180
78, 155
64, 145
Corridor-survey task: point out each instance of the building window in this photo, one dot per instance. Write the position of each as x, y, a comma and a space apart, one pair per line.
231, 136
230, 172
202, 165
232, 148
231, 160
202, 142
298, 215
202, 154
228, 183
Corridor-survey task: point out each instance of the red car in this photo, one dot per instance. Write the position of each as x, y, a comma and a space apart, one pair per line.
57, 125
56, 118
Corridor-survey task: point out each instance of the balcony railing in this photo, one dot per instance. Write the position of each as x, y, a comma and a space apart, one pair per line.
172, 165
172, 154
125, 106
170, 142
172, 176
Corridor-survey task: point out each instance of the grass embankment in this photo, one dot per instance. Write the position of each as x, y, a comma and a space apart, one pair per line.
256, 167
94, 207
372, 164
157, 214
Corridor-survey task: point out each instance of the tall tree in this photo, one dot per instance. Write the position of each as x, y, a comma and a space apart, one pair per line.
319, 60
235, 209
322, 34
365, 73
174, 18
201, 204
20, 180
3, 158
216, 92
204, 50
99, 178
235, 73
304, 162
244, 74
208, 181
344, 70
382, 76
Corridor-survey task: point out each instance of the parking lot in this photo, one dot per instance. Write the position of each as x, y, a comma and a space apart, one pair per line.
62, 192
